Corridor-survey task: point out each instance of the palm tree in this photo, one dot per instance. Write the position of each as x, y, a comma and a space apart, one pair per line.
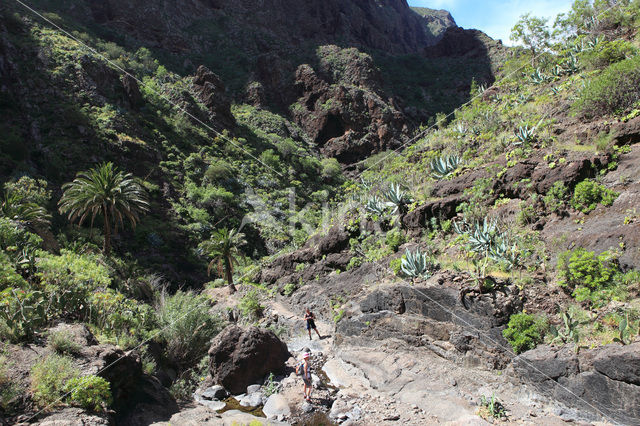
224, 248
104, 190
27, 213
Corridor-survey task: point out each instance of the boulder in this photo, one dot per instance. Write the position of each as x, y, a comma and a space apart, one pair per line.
252, 400
239, 358
216, 392
276, 406
604, 382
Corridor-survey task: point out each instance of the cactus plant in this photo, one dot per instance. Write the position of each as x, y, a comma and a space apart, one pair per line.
444, 166
415, 264
569, 332
624, 331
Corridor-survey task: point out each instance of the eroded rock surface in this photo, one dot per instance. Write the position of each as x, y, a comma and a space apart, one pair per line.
604, 381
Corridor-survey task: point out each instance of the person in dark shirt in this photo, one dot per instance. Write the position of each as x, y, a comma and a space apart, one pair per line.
311, 323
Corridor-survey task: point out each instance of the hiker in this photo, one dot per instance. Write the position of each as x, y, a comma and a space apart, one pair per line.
303, 368
311, 323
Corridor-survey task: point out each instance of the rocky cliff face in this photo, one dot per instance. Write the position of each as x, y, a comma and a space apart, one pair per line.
390, 26
330, 65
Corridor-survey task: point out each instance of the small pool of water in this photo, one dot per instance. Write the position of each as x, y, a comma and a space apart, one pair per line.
233, 404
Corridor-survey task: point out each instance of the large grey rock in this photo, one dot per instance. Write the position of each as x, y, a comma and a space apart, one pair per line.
253, 388
602, 382
276, 406
216, 392
74, 417
202, 416
619, 363
252, 400
239, 358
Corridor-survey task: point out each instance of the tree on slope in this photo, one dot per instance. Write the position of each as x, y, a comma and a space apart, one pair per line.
105, 191
224, 249
534, 34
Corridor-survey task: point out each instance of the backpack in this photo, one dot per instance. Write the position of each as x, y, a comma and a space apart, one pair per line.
300, 369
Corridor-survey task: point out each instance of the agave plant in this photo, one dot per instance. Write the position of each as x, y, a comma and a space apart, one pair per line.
376, 205
571, 65
504, 251
444, 166
484, 235
525, 134
594, 42
460, 128
366, 184
397, 198
415, 264
557, 71
538, 77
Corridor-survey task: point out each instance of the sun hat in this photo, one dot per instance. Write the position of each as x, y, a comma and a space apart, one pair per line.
306, 355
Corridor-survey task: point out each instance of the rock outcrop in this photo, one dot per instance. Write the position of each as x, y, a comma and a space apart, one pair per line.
239, 358
325, 252
211, 92
342, 107
471, 324
604, 381
389, 26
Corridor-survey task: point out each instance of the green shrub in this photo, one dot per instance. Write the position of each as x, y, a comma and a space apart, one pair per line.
48, 379
187, 327
396, 265
394, 239
15, 240
525, 332
588, 194
556, 198
69, 280
289, 289
331, 169
355, 262
62, 343
22, 312
527, 214
116, 315
89, 392
585, 274
609, 52
218, 170
250, 305
615, 90
8, 275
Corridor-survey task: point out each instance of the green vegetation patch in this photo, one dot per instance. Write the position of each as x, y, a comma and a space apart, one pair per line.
588, 194
614, 91
525, 331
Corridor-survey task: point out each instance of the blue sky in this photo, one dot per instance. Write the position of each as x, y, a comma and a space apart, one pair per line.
495, 17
